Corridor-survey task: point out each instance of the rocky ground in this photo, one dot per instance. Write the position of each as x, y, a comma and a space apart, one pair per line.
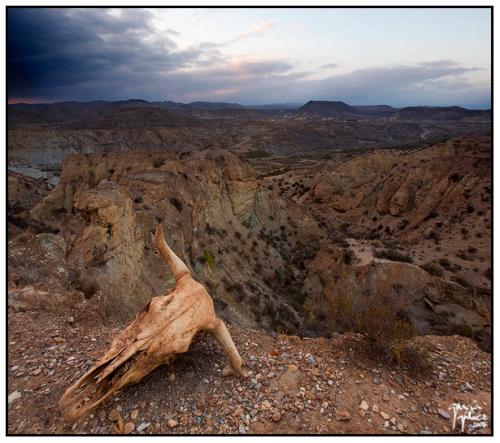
298, 386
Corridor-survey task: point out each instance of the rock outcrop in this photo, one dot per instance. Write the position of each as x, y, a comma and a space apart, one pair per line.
216, 217
433, 305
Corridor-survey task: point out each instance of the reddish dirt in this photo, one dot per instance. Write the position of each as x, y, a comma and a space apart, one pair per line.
302, 386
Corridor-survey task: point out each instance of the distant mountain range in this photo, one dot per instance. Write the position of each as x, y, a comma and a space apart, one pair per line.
168, 113
338, 109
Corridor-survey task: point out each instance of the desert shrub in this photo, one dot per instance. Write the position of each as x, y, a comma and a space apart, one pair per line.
379, 319
464, 330
461, 280
432, 214
158, 162
209, 257
379, 316
348, 256
433, 269
445, 263
403, 224
392, 243
256, 154
268, 310
209, 230
393, 254
416, 360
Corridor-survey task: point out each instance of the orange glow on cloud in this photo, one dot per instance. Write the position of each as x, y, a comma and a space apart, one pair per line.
29, 100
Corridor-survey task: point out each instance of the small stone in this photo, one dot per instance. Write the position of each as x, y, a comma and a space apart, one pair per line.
364, 405
343, 416
16, 395
276, 416
37, 371
361, 412
385, 397
114, 415
134, 414
315, 372
330, 382
266, 405
385, 416
443, 414
398, 379
401, 427
238, 412
142, 426
71, 320
241, 429
129, 427
171, 377
393, 421
375, 408
172, 423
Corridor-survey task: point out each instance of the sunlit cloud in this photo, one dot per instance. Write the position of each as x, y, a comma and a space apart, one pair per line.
258, 29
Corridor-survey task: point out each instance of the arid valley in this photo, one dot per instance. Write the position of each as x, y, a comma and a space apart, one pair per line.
347, 248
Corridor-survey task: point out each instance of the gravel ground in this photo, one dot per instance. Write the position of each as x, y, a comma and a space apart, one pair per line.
300, 386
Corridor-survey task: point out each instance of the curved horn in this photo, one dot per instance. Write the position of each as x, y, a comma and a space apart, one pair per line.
175, 264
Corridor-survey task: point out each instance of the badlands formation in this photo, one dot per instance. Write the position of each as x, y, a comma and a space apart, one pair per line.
355, 282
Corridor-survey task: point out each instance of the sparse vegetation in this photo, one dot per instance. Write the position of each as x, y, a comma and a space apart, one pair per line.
394, 255
433, 269
158, 162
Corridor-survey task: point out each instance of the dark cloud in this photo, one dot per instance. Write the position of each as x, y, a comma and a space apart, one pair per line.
88, 54
63, 52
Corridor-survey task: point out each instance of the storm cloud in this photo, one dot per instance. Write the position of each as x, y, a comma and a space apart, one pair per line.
88, 54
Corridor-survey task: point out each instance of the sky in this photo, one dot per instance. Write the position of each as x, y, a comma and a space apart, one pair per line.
399, 57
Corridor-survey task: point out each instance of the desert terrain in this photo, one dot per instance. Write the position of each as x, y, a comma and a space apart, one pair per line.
348, 248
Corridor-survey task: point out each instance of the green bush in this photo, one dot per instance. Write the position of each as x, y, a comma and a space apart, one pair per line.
209, 258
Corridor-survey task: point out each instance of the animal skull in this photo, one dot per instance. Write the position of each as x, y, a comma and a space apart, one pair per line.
164, 328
